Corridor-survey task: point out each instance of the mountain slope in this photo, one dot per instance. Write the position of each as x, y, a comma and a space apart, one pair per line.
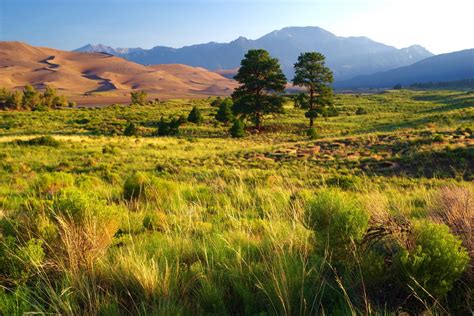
347, 56
445, 67
89, 73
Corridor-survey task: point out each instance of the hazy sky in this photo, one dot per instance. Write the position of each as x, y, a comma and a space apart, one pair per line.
440, 26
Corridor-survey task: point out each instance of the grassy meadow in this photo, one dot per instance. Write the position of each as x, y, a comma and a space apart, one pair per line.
372, 216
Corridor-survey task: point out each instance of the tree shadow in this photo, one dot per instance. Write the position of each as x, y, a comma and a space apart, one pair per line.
450, 102
447, 163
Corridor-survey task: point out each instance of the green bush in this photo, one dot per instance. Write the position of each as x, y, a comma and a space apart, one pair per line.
19, 262
337, 219
130, 130
238, 129
169, 127
360, 111
434, 261
73, 204
134, 186
195, 116
224, 114
312, 133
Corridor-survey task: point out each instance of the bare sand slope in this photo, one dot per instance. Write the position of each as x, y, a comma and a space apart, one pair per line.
98, 77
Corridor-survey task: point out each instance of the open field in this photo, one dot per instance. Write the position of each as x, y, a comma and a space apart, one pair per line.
374, 216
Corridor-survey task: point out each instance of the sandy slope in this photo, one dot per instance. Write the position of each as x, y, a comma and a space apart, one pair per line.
99, 77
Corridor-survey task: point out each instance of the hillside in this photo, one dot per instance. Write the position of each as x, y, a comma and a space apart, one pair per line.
347, 56
445, 67
75, 73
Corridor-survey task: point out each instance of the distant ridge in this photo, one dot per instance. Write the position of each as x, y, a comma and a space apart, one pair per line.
347, 56
440, 68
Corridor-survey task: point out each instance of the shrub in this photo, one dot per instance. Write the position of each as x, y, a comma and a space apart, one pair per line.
195, 116
20, 262
134, 186
238, 129
168, 127
337, 220
39, 141
312, 133
434, 260
224, 114
155, 221
216, 102
72, 204
130, 130
360, 111
138, 97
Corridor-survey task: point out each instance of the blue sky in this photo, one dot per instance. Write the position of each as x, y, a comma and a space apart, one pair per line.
440, 26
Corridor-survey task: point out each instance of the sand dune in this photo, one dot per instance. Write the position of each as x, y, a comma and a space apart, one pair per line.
79, 75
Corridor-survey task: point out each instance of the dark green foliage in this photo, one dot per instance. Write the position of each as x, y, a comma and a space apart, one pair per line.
360, 111
261, 80
446, 85
130, 130
398, 86
311, 73
195, 116
39, 141
216, 102
237, 129
169, 127
138, 97
224, 114
300, 100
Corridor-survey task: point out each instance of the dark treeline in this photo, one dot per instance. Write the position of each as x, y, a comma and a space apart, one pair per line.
452, 85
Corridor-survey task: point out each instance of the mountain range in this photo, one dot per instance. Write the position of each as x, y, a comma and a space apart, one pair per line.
77, 73
346, 56
439, 68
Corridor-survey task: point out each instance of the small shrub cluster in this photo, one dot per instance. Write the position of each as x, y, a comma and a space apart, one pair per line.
169, 127
31, 99
39, 141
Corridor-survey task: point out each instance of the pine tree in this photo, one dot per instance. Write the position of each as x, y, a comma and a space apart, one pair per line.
261, 81
238, 129
224, 114
311, 73
130, 130
195, 116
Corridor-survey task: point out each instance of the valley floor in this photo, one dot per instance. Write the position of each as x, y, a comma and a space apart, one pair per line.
374, 216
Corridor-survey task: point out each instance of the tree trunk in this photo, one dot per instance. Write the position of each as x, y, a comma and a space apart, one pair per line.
311, 122
258, 121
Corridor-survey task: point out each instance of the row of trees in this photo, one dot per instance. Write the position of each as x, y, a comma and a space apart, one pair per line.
31, 99
262, 84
